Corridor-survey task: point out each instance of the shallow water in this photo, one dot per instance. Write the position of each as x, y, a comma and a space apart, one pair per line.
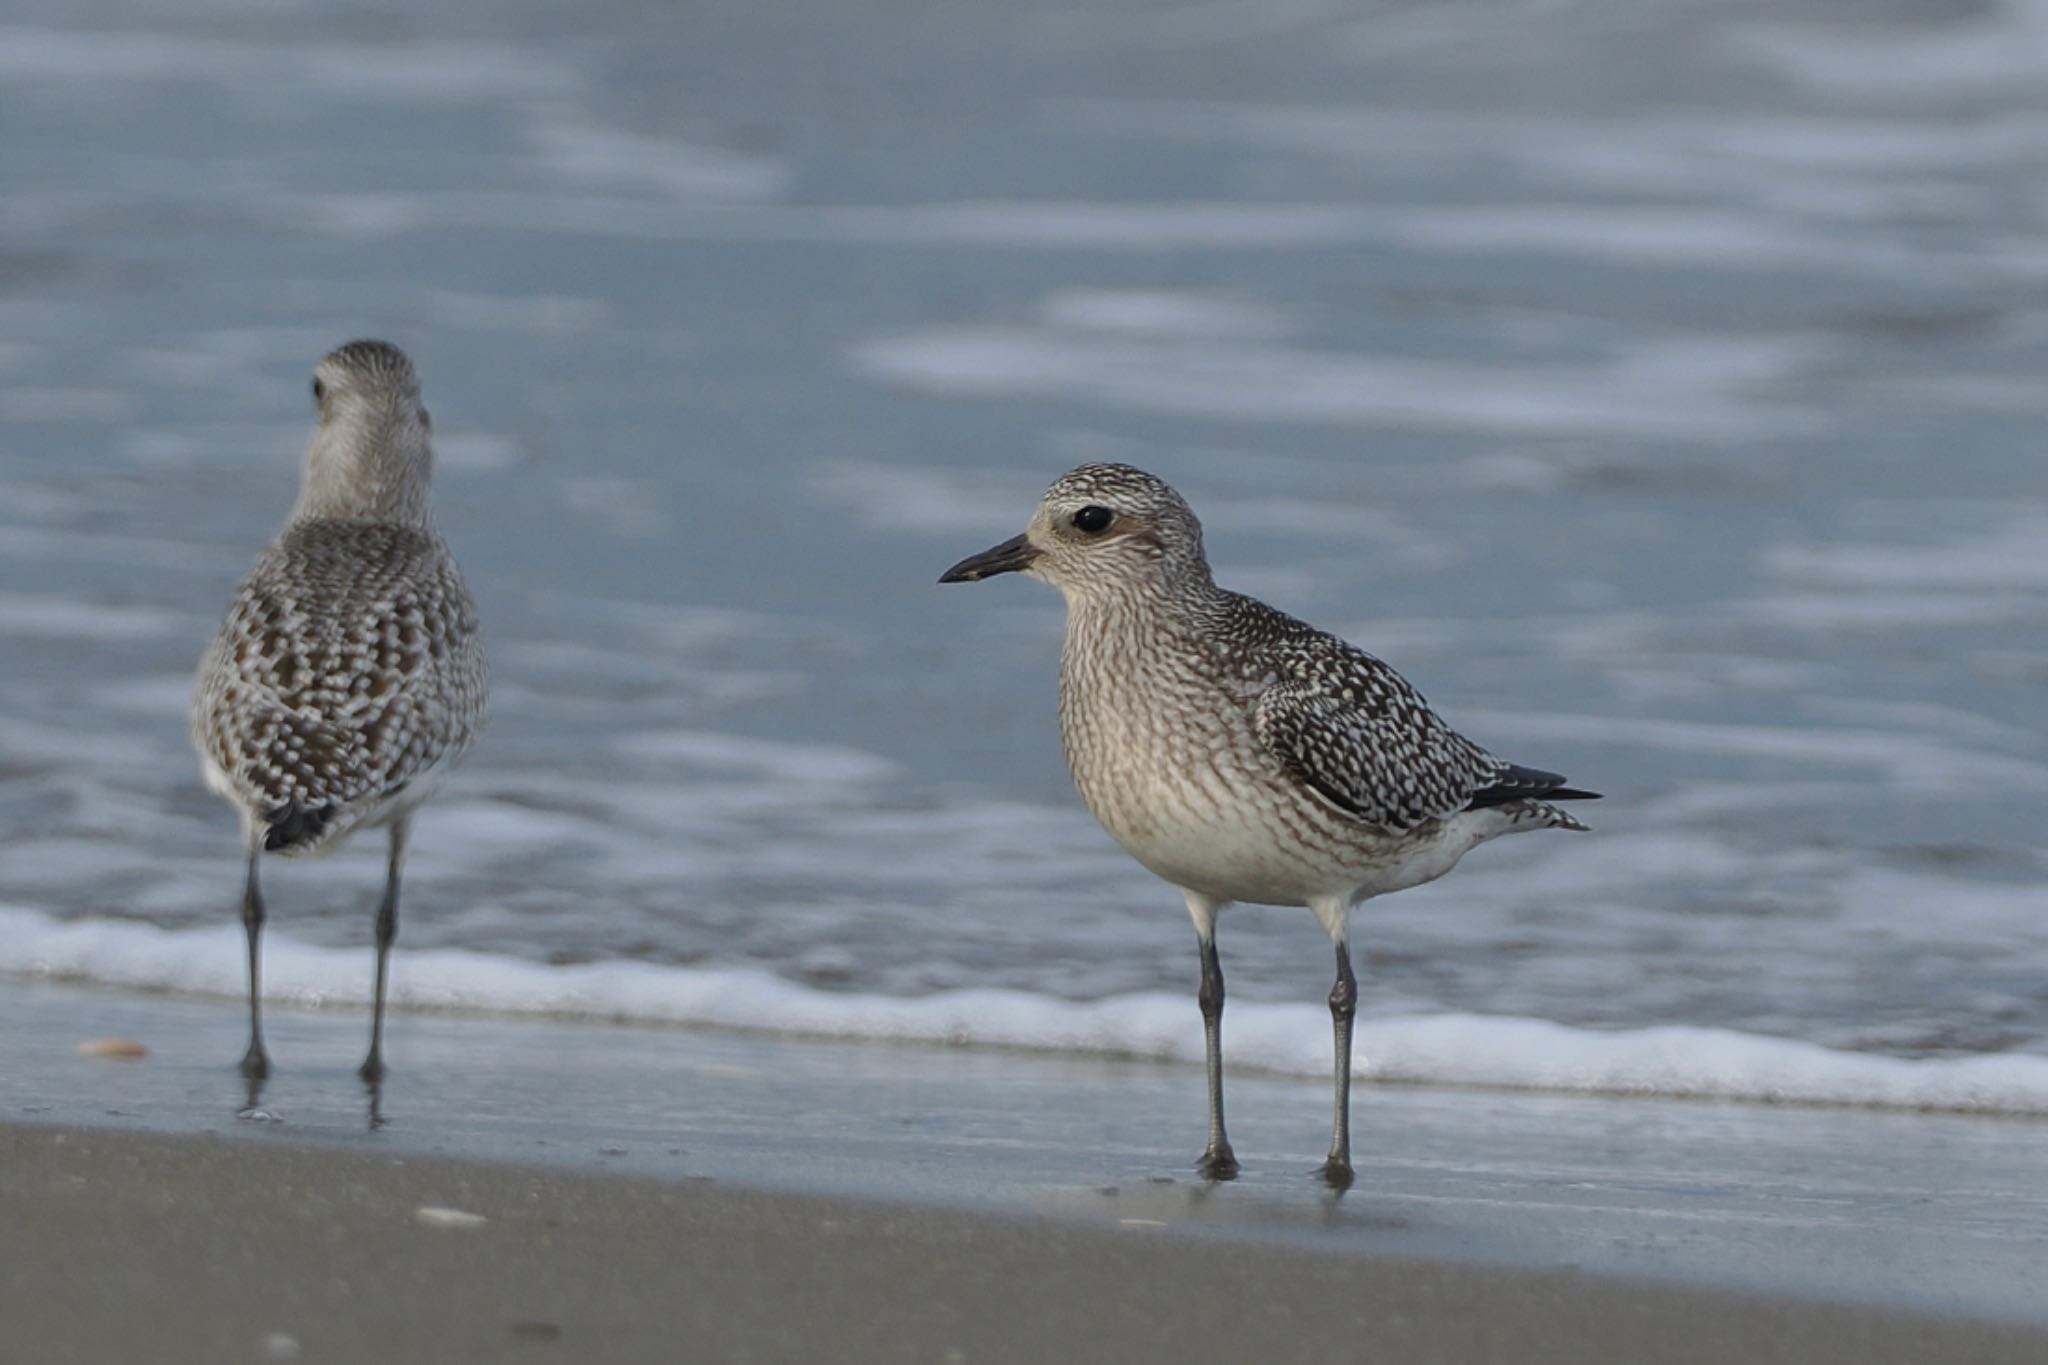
1912, 1211
1656, 386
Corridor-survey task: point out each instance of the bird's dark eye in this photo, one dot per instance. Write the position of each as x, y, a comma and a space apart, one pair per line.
1093, 519
319, 391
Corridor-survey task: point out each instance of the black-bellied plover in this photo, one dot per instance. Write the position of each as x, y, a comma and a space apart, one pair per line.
348, 676
1243, 755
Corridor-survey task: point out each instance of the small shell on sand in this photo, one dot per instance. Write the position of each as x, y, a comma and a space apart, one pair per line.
436, 1217
122, 1049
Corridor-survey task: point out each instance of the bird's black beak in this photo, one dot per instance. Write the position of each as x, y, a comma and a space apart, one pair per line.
1010, 556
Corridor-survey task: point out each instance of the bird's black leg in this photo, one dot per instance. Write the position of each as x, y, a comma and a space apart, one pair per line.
255, 1062
1343, 1011
372, 1070
1218, 1162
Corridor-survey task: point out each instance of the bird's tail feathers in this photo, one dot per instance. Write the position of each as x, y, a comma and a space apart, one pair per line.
1534, 814
293, 828
1560, 819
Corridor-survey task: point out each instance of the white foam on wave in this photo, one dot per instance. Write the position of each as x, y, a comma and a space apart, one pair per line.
1019, 225
1992, 46
63, 618
432, 70
667, 166
716, 205
1683, 151
1887, 611
823, 764
2011, 556
1914, 761
1172, 28
1434, 1049
1680, 388
1763, 191
908, 496
1164, 313
540, 315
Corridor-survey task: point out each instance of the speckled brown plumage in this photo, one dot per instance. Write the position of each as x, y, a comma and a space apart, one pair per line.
1241, 754
349, 667
348, 675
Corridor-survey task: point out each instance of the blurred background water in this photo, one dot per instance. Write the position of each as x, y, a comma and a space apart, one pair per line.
1658, 385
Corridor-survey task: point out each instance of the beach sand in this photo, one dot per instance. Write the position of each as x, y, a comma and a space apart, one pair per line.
677, 1194
122, 1246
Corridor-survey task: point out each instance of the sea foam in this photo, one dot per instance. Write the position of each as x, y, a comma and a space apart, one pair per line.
1425, 1049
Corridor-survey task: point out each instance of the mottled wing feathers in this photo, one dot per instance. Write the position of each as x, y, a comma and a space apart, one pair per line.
1353, 730
347, 666
1383, 757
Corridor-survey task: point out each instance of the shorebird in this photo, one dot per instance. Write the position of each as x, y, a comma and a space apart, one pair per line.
1242, 755
348, 676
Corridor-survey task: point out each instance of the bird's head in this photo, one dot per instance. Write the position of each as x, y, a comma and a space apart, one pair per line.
370, 455
1100, 530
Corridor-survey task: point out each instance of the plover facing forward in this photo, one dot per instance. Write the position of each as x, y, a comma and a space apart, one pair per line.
348, 676
1243, 755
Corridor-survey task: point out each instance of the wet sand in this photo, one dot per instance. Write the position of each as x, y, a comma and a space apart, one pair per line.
642, 1182
132, 1246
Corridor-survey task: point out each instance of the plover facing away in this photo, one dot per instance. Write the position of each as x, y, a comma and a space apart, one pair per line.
1243, 755
348, 676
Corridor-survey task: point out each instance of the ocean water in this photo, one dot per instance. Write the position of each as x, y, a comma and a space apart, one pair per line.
1659, 387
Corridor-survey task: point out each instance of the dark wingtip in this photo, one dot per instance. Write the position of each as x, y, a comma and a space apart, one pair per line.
295, 826
1517, 783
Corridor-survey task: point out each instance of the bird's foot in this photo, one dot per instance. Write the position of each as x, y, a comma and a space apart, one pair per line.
255, 1071
1337, 1173
372, 1073
1218, 1163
